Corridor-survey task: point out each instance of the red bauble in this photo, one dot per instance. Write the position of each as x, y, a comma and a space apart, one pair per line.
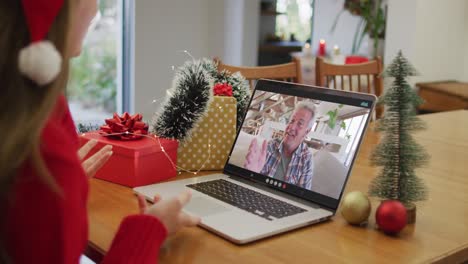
391, 216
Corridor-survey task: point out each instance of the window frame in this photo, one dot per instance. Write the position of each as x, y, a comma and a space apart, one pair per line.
125, 100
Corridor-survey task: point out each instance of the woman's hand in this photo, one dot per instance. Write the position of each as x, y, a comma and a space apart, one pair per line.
169, 211
92, 164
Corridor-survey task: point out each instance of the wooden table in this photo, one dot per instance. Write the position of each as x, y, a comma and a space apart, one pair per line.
439, 235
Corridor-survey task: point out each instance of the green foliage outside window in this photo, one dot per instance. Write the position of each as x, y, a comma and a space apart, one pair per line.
93, 76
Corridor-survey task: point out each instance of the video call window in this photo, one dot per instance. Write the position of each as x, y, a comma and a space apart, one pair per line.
308, 143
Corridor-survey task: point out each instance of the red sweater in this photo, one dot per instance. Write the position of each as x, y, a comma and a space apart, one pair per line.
44, 227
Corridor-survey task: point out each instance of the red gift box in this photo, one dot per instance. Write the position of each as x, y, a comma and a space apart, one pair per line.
135, 162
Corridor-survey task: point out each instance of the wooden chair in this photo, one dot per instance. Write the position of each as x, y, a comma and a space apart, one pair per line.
363, 77
289, 72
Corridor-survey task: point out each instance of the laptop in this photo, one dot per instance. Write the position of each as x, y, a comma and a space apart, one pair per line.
296, 178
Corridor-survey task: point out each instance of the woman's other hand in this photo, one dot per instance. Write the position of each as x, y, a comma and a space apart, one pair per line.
92, 164
169, 211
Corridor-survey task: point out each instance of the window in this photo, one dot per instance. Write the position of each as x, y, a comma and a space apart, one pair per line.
297, 21
98, 84
354, 127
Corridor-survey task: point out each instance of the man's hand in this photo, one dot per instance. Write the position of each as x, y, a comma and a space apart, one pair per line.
256, 157
92, 164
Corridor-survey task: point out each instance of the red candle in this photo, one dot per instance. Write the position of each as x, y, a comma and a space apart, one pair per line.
321, 50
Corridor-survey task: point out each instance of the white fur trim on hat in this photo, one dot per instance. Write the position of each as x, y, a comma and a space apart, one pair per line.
40, 62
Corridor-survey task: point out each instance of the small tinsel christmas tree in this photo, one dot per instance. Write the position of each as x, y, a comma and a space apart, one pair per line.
187, 102
398, 153
84, 128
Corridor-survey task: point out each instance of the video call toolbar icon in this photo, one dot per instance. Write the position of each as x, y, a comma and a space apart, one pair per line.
276, 183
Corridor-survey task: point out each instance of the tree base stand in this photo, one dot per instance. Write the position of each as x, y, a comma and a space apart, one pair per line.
411, 214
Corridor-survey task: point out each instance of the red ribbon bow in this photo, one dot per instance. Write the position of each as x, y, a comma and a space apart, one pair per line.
125, 127
222, 89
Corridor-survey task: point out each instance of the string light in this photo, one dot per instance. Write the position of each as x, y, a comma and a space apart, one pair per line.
173, 68
151, 104
188, 53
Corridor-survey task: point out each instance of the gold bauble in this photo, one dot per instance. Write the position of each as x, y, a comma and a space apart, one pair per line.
355, 208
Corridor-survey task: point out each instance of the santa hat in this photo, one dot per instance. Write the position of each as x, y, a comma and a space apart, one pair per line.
40, 61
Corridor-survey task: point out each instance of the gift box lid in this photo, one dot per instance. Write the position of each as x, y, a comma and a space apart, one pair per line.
141, 147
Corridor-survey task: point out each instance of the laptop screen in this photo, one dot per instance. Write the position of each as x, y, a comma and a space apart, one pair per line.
300, 139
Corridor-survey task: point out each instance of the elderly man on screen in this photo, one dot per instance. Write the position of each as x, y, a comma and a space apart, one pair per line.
288, 159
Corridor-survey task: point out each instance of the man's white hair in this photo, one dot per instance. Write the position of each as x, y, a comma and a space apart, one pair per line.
309, 106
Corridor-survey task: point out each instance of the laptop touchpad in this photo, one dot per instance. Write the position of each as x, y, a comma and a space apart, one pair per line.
201, 206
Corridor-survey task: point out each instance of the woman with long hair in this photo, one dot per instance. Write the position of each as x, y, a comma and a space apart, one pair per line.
43, 179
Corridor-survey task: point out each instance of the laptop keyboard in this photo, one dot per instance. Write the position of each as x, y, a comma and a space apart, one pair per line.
247, 199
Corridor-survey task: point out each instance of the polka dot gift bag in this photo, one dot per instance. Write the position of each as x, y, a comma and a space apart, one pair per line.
212, 138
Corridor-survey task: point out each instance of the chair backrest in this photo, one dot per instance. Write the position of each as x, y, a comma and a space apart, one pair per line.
362, 77
290, 72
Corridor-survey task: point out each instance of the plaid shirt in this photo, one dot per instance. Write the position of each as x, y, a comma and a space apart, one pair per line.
300, 167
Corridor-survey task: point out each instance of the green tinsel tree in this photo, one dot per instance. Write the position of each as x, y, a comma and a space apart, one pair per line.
188, 101
398, 153
190, 96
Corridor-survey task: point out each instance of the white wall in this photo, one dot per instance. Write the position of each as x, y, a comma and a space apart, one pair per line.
440, 40
432, 34
251, 28
162, 30
400, 29
216, 42
206, 28
241, 26
233, 11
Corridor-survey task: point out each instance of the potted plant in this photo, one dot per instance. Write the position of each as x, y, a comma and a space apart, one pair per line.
372, 22
333, 118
